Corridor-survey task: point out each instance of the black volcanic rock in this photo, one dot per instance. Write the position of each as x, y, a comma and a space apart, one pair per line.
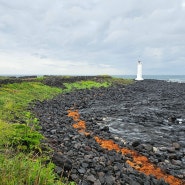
62, 161
134, 116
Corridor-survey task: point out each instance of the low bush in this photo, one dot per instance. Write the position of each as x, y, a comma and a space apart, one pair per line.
21, 170
85, 85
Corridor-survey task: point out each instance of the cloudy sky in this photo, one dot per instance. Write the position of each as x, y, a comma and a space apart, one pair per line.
88, 37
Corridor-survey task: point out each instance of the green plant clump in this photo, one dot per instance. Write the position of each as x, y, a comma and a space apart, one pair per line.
121, 81
20, 137
21, 170
20, 166
85, 85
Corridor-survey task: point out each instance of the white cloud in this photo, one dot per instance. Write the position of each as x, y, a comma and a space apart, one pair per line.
99, 36
183, 4
14, 63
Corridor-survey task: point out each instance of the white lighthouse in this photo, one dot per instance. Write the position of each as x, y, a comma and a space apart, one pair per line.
139, 71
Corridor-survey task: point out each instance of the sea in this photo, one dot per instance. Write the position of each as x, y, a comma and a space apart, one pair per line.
169, 78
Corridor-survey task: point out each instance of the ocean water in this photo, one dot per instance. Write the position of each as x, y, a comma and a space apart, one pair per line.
169, 78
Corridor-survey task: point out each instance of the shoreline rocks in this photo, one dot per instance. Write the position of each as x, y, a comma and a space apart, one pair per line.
135, 116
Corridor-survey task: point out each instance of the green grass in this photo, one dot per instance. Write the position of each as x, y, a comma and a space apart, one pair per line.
21, 170
15, 97
85, 85
21, 165
21, 158
40, 78
120, 81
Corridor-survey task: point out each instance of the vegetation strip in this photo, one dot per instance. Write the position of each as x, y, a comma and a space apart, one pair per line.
22, 160
140, 162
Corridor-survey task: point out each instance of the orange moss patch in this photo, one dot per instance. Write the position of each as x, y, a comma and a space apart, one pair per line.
79, 124
74, 114
140, 162
107, 144
145, 166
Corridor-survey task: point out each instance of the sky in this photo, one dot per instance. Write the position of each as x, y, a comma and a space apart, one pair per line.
94, 37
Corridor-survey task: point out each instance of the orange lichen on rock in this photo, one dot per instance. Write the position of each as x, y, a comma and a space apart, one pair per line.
79, 124
74, 114
140, 162
110, 145
107, 144
76, 117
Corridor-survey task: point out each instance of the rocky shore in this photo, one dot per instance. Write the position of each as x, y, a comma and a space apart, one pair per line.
147, 117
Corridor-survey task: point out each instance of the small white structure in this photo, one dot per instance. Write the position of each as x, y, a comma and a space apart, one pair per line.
139, 71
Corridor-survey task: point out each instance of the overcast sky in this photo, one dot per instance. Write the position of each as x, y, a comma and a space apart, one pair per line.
88, 37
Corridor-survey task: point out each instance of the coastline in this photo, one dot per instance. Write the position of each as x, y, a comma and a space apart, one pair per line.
118, 134
169, 78
151, 103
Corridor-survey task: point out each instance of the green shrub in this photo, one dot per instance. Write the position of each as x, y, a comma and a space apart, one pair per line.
40, 78
22, 170
6, 131
20, 137
25, 139
19, 161
121, 81
85, 85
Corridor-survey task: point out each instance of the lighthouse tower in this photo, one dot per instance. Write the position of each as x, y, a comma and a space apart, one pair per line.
139, 71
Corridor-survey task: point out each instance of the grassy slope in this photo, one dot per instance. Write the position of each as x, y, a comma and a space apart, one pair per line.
19, 163
20, 143
15, 97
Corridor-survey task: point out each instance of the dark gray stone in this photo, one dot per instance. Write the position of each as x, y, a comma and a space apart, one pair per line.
85, 165
91, 178
101, 177
62, 161
53, 131
109, 179
148, 147
171, 149
97, 182
105, 128
136, 143
176, 162
176, 146
81, 170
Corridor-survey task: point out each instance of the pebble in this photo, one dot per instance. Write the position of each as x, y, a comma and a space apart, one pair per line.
176, 146
155, 149
171, 149
91, 178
